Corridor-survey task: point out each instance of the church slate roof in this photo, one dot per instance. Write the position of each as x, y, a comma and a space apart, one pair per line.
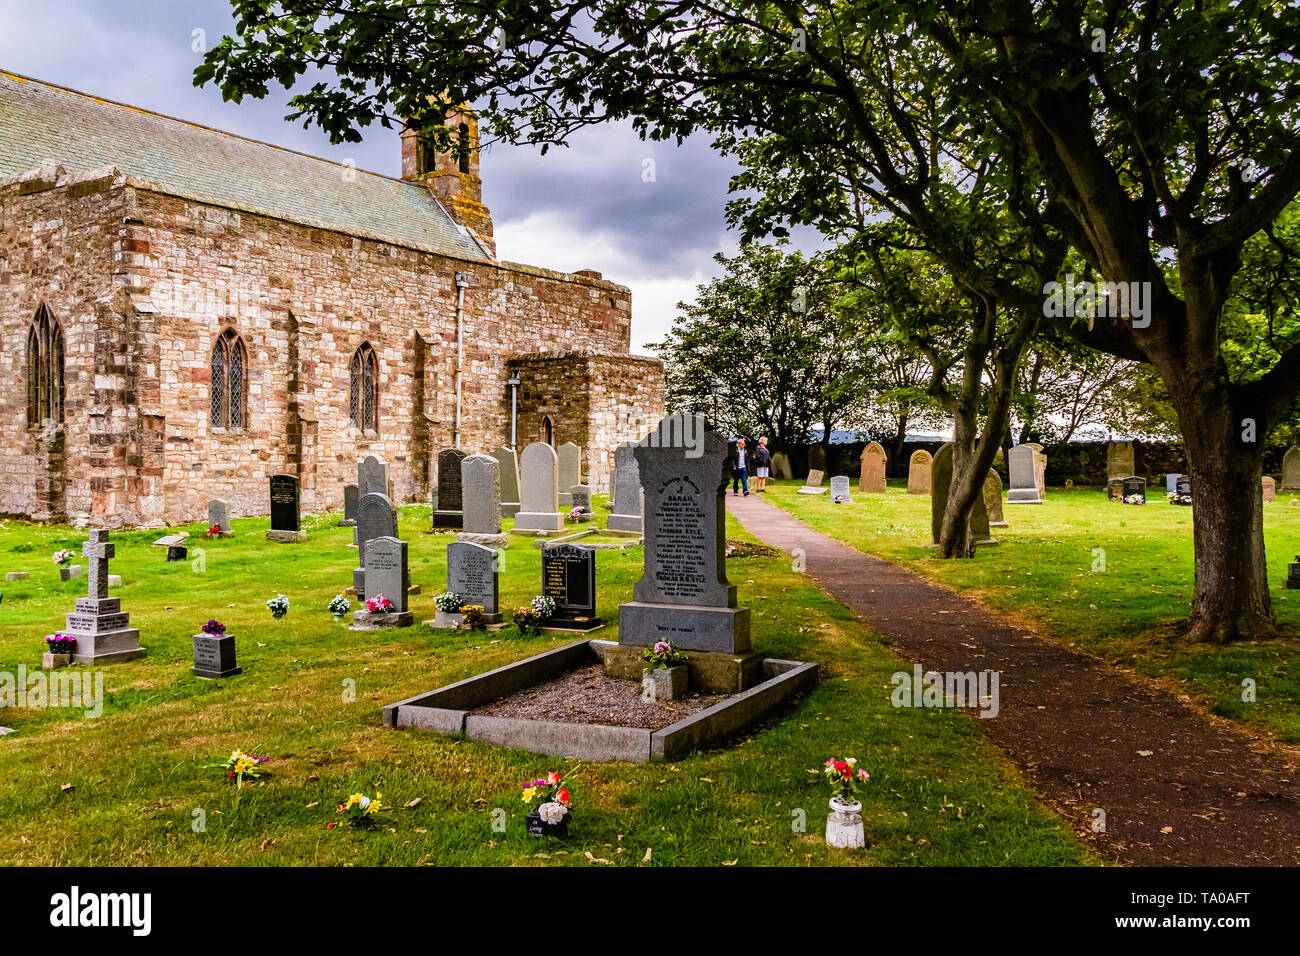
42, 123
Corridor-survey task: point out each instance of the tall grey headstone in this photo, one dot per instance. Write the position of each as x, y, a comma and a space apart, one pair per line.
449, 513
372, 476
102, 629
1119, 460
219, 515
509, 462
626, 517
1290, 470
472, 572
376, 518
1022, 467
480, 478
539, 476
570, 471
387, 575
684, 595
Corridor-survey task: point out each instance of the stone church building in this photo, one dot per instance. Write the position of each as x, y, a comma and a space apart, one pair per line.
185, 312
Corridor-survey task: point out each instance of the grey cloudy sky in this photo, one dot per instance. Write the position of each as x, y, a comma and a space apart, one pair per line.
581, 207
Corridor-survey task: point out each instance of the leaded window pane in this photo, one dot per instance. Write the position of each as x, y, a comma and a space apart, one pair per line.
236, 384
218, 417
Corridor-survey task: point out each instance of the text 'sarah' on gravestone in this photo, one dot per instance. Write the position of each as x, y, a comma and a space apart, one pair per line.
684, 596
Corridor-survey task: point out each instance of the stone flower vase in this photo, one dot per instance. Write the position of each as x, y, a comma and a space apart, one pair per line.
51, 661
844, 824
447, 618
664, 683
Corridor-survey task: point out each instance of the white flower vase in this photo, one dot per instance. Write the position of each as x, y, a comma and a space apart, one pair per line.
447, 618
844, 824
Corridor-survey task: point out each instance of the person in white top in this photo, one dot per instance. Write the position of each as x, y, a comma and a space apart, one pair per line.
740, 469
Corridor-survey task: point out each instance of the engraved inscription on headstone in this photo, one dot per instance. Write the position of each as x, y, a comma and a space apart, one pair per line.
472, 572
376, 518
285, 515
569, 577
450, 489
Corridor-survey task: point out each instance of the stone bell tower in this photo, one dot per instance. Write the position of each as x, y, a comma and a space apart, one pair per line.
452, 176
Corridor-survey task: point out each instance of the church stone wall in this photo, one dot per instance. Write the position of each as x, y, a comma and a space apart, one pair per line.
303, 300
61, 246
143, 283
596, 400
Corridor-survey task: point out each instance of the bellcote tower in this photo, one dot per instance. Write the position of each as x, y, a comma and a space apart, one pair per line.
452, 176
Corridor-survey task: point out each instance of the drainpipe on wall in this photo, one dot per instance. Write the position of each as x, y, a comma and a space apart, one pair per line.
462, 280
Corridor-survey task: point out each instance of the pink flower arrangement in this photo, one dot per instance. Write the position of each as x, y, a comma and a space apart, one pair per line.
378, 604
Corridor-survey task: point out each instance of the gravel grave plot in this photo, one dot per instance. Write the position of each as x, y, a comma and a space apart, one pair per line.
589, 696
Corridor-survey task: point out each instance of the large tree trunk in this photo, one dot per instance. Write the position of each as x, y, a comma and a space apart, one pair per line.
1232, 600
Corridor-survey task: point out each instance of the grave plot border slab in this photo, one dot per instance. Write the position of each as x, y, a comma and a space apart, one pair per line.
447, 711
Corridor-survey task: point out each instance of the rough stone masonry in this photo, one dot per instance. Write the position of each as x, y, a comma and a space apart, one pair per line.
156, 263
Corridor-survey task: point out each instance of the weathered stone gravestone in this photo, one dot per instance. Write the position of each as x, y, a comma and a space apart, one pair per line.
509, 473
1119, 460
539, 502
1291, 470
372, 477
102, 629
1293, 575
376, 518
219, 518
993, 500
1269, 487
480, 477
1040, 469
450, 513
1182, 492
626, 517
1134, 491
871, 480
351, 498
840, 489
286, 514
684, 595
580, 498
941, 482
781, 466
570, 471
1171, 482
386, 575
812, 484
817, 458
569, 578
1022, 466
214, 656
918, 472
472, 572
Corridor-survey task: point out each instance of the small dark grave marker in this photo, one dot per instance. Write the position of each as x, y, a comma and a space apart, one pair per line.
214, 656
569, 577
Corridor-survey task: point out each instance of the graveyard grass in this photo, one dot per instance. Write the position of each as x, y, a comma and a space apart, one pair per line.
126, 788
1042, 574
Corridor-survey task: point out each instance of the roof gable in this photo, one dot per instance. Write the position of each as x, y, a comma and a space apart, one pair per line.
41, 123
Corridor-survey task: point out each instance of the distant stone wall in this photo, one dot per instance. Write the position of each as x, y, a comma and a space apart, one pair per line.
144, 283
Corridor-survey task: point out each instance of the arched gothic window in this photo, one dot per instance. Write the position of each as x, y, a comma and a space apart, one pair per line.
364, 404
463, 134
229, 381
548, 431
44, 371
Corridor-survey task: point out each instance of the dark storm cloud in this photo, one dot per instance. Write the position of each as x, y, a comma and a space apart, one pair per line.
586, 206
